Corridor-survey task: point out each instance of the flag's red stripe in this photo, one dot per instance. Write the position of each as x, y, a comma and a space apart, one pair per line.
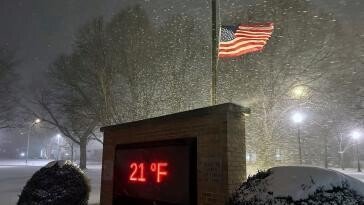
241, 49
232, 55
237, 50
252, 36
253, 33
238, 40
222, 49
254, 29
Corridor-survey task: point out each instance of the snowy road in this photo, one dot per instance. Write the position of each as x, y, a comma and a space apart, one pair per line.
14, 174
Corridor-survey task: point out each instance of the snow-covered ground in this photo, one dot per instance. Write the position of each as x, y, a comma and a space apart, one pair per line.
14, 174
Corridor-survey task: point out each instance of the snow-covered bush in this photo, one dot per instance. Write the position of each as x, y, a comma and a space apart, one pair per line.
299, 186
58, 183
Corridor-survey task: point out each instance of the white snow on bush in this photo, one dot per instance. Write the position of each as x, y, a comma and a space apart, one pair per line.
300, 182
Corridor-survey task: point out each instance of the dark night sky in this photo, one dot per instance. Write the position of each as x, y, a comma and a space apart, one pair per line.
39, 30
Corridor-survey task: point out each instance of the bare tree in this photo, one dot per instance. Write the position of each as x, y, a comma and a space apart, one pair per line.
71, 125
82, 95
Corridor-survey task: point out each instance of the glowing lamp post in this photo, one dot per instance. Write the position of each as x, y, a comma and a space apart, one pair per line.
36, 121
356, 135
298, 119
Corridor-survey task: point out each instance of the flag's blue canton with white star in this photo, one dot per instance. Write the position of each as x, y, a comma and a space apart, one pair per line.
227, 33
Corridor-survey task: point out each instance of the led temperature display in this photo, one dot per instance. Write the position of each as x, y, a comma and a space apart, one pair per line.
138, 170
162, 173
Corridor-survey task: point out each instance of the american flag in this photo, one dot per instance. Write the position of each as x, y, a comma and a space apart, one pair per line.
242, 39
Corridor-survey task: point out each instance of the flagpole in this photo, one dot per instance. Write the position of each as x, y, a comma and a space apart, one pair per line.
214, 50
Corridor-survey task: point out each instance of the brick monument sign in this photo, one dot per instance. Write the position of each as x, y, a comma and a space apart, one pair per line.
190, 158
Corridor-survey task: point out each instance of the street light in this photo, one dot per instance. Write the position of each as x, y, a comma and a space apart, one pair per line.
356, 135
36, 121
298, 119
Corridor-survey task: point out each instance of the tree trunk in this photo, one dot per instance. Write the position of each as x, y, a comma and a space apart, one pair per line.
342, 160
326, 155
72, 152
83, 158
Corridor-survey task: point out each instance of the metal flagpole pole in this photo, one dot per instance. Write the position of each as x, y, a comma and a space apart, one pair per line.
214, 50
29, 130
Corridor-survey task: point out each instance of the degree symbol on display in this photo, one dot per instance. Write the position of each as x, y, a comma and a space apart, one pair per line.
160, 170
